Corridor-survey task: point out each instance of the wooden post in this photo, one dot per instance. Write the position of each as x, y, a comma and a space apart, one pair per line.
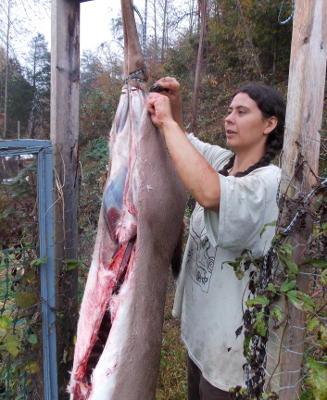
65, 70
301, 157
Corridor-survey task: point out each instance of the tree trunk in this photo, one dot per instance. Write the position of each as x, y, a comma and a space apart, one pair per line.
65, 70
31, 121
253, 51
199, 64
5, 116
156, 47
191, 20
164, 29
301, 157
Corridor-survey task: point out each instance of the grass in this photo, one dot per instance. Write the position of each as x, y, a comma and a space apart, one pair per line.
172, 380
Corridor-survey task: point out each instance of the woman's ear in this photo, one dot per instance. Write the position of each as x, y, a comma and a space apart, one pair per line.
271, 124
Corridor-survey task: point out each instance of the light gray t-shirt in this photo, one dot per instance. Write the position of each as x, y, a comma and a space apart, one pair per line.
209, 297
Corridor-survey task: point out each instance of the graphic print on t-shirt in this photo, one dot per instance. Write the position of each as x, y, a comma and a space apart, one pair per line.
200, 258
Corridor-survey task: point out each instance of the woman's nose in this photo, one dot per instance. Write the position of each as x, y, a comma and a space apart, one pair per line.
229, 118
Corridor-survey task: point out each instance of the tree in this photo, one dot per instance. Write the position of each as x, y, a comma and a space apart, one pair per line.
101, 82
91, 68
199, 62
245, 39
7, 35
19, 96
39, 78
15, 17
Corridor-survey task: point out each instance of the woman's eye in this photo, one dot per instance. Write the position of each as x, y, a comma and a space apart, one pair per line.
241, 112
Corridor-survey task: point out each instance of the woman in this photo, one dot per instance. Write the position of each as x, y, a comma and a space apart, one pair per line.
236, 196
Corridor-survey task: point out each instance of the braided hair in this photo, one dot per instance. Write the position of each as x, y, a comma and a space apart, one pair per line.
270, 103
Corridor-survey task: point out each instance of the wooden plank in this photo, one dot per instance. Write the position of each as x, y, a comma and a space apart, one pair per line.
301, 156
65, 70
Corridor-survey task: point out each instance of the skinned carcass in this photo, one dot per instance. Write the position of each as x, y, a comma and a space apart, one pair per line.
119, 331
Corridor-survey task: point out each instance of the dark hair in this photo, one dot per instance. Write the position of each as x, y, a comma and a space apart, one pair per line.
270, 103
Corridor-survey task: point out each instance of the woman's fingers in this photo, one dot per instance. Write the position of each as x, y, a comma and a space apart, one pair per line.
173, 87
159, 108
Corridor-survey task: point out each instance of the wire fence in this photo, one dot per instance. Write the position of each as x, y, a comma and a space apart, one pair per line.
28, 344
299, 332
289, 354
20, 325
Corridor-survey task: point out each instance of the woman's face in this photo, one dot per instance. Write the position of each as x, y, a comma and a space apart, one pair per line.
245, 126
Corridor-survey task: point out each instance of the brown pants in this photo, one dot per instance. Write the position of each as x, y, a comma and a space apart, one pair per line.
199, 388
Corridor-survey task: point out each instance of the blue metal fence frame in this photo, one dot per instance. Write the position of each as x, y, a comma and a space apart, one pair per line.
43, 150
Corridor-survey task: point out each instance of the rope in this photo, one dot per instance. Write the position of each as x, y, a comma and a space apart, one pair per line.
143, 43
323, 183
135, 73
287, 230
281, 10
247, 368
264, 282
143, 27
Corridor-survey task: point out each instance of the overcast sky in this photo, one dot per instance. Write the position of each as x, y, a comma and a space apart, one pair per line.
95, 24
95, 21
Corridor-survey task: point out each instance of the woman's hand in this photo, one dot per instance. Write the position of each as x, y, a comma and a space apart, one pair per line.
173, 92
174, 95
160, 109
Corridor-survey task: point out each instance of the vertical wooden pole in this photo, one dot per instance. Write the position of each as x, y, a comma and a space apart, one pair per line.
301, 153
65, 69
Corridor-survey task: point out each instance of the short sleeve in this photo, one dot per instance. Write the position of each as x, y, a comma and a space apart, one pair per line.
246, 204
216, 156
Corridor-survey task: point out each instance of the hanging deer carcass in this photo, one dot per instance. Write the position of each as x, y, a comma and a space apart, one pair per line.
118, 344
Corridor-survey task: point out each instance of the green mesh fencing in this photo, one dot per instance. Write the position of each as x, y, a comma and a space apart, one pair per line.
20, 325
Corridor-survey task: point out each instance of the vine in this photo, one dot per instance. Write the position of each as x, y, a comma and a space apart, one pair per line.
275, 276
20, 320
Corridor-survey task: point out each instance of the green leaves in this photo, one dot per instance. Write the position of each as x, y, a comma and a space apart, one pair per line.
287, 286
32, 338
259, 300
313, 323
25, 299
100, 149
72, 264
33, 368
237, 268
271, 288
315, 263
284, 255
323, 276
300, 300
246, 344
260, 323
12, 344
318, 379
266, 225
275, 312
5, 321
39, 261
